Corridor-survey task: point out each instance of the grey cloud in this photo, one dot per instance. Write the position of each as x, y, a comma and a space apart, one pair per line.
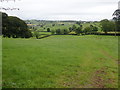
63, 9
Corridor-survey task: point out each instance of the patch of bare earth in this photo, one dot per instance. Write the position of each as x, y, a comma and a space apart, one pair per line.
71, 81
118, 62
99, 80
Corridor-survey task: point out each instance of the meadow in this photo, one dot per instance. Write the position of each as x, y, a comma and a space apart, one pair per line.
60, 61
61, 25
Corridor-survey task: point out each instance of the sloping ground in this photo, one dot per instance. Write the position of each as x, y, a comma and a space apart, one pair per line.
99, 79
61, 61
103, 77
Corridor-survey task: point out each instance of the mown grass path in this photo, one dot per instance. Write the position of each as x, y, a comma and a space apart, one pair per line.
61, 61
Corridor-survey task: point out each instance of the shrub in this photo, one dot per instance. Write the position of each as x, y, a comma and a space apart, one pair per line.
58, 32
52, 32
48, 29
66, 31
36, 34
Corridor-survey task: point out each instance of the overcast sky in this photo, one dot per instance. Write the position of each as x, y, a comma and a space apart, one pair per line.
62, 9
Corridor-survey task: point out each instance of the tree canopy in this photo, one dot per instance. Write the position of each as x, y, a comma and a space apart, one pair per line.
116, 18
107, 25
14, 27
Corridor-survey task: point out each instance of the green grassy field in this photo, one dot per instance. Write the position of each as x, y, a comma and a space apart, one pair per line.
61, 61
67, 25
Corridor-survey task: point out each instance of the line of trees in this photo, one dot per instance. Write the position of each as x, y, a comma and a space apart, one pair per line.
106, 26
17, 28
78, 30
14, 27
60, 32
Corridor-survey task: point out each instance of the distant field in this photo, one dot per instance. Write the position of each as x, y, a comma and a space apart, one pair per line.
58, 25
47, 33
61, 61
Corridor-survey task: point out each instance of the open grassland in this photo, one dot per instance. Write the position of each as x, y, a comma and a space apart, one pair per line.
61, 61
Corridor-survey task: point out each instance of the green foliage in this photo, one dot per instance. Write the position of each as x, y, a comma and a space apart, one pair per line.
116, 15
53, 25
48, 29
62, 31
90, 29
78, 30
78, 22
66, 31
36, 34
58, 32
70, 27
74, 27
87, 30
116, 18
107, 25
14, 27
117, 23
95, 29
52, 32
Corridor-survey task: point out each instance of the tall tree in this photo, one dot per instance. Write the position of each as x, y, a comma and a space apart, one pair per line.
14, 27
5, 31
107, 25
116, 18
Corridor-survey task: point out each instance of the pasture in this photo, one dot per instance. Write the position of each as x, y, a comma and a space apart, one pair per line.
60, 61
58, 25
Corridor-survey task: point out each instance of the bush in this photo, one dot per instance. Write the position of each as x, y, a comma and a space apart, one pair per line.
78, 30
66, 31
86, 30
36, 34
52, 32
58, 32
62, 31
48, 29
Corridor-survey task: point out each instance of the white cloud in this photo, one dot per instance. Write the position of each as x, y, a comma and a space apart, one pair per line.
63, 9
